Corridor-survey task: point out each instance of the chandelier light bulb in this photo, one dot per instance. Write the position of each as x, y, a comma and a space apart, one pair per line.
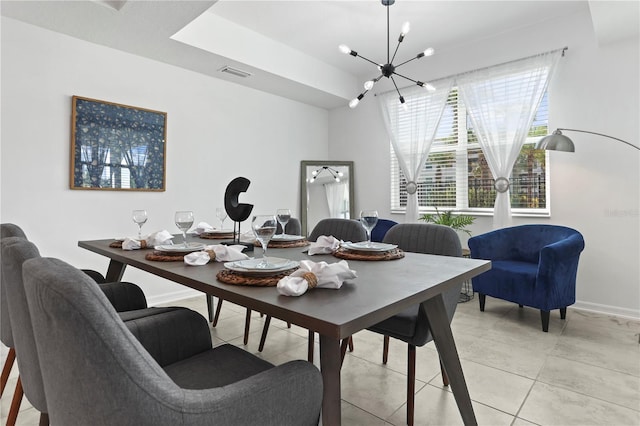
344, 49
354, 102
340, 174
429, 52
337, 179
314, 173
368, 85
406, 27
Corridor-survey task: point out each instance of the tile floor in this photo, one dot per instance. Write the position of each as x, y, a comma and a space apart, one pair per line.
584, 371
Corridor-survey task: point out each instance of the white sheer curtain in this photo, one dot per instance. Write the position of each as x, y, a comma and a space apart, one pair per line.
412, 131
336, 196
501, 102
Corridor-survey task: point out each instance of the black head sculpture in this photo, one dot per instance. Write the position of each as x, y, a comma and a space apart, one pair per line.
238, 212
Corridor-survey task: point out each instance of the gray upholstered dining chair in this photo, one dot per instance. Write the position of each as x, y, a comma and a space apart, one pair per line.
342, 229
411, 326
97, 372
160, 330
293, 227
8, 230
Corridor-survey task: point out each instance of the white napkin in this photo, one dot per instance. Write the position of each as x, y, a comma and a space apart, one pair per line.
203, 227
324, 245
223, 254
328, 276
154, 239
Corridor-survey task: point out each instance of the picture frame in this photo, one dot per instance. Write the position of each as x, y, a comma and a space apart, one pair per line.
117, 147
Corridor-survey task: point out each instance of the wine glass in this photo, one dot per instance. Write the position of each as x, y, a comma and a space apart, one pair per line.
264, 226
369, 219
184, 220
283, 216
221, 214
140, 217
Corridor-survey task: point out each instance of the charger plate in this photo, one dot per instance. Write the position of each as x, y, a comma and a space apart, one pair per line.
228, 276
343, 253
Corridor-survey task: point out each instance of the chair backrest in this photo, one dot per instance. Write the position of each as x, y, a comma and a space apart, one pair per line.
15, 251
429, 238
6, 335
95, 368
342, 229
381, 228
292, 227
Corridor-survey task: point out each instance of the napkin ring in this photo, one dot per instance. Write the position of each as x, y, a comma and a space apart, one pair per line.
212, 254
311, 278
143, 244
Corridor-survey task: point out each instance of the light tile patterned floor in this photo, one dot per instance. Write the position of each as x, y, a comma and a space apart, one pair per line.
584, 371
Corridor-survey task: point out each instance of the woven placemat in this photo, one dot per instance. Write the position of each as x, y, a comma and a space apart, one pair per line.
286, 244
237, 278
164, 257
344, 253
216, 236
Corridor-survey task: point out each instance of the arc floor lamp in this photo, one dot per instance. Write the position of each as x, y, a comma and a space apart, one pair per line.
559, 142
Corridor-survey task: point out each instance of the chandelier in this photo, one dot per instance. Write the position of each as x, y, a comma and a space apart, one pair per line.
389, 70
335, 174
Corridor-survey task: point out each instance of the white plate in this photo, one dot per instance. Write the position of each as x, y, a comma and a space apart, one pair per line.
364, 246
180, 248
251, 266
219, 231
287, 237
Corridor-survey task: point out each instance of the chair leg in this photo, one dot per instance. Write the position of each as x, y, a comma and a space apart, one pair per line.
15, 404
215, 318
265, 329
481, 299
385, 349
310, 346
247, 324
6, 370
350, 343
411, 383
544, 315
44, 419
210, 306
520, 306
563, 313
445, 377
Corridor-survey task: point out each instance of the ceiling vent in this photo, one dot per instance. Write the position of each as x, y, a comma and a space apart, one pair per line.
234, 71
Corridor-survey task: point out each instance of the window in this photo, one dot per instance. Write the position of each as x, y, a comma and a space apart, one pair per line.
456, 174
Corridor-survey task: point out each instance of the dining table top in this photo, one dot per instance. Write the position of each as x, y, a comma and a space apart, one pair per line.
381, 289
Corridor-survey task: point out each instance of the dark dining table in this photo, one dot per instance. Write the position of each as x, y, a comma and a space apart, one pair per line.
381, 290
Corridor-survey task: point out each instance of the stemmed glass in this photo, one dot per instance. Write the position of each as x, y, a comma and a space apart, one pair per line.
369, 219
283, 216
140, 217
221, 214
264, 227
184, 221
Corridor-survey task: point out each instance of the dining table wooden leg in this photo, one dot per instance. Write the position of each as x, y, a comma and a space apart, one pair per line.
443, 338
330, 367
115, 271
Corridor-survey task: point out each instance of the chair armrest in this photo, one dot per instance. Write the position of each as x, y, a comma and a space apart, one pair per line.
169, 334
557, 271
124, 296
289, 394
95, 275
564, 249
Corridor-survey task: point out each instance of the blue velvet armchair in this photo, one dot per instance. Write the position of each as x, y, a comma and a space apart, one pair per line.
531, 265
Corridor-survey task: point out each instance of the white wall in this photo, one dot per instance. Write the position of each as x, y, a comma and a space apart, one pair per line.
216, 132
595, 190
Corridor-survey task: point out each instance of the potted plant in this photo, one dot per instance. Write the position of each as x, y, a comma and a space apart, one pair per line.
447, 218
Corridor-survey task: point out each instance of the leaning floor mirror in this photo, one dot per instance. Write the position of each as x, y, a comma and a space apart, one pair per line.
326, 190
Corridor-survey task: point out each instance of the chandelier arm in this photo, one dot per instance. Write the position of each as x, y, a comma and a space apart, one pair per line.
407, 61
388, 61
368, 60
396, 86
394, 53
406, 78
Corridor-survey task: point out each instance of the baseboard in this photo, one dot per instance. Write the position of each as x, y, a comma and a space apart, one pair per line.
607, 309
164, 298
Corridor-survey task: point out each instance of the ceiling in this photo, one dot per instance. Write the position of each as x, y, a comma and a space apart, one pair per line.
290, 47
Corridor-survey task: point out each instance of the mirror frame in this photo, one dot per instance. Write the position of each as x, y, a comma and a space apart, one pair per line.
303, 188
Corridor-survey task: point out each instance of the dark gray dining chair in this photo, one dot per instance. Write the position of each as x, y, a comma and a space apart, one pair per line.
8, 230
411, 326
98, 373
160, 330
293, 227
342, 229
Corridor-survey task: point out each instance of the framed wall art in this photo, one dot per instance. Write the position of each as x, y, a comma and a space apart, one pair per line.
117, 147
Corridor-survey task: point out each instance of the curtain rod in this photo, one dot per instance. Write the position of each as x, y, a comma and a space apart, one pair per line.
564, 49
